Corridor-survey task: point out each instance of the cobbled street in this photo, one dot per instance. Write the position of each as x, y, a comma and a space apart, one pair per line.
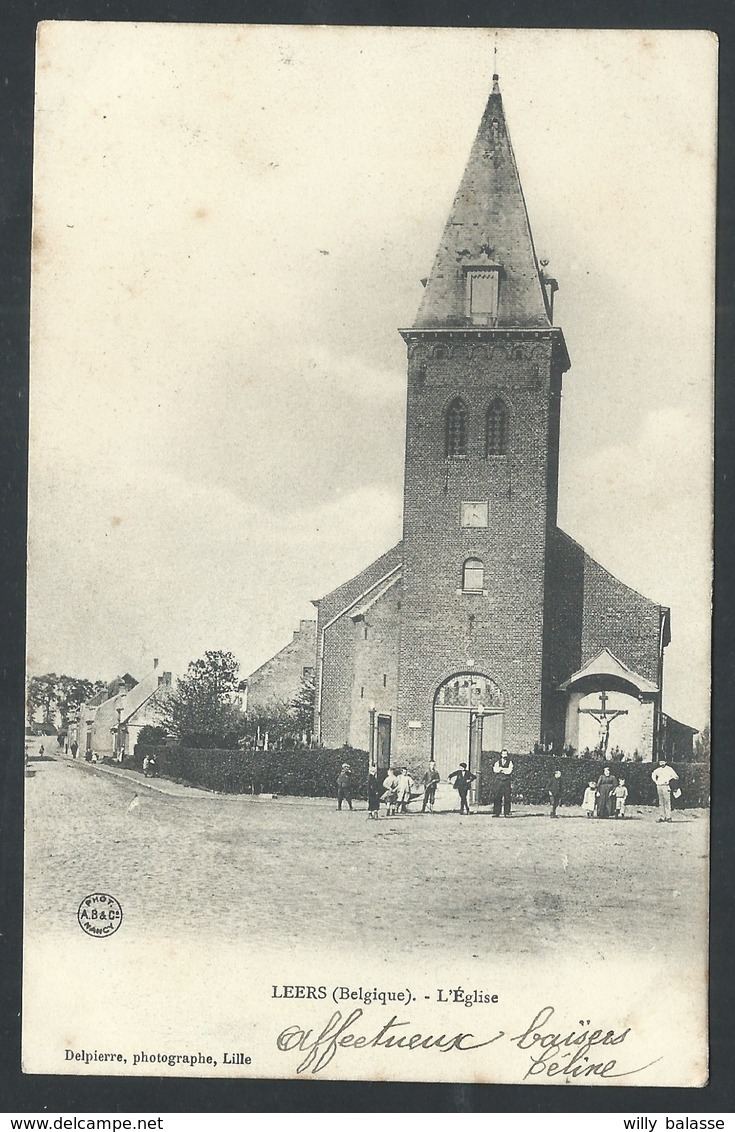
292, 871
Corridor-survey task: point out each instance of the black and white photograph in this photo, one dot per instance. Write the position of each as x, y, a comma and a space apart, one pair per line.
370, 554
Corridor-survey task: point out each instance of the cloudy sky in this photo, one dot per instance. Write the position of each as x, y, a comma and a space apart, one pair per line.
231, 224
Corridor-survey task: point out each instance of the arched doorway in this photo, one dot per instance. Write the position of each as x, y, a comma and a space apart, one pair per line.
468, 719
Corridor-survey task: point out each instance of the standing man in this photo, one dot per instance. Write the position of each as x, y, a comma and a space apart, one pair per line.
430, 780
344, 786
74, 748
463, 779
664, 776
502, 770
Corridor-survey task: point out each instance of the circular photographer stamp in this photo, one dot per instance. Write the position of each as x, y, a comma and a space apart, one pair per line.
99, 914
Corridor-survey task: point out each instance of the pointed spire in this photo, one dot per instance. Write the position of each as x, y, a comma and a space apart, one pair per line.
487, 229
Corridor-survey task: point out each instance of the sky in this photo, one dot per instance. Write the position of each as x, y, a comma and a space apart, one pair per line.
230, 225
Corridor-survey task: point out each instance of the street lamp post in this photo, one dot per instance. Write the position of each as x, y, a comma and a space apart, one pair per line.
478, 769
372, 733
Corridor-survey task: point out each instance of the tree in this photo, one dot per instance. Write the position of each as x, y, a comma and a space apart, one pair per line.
42, 697
273, 719
152, 736
285, 723
50, 694
302, 709
702, 746
71, 692
201, 711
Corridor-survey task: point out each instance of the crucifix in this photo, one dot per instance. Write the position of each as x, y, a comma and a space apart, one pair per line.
604, 718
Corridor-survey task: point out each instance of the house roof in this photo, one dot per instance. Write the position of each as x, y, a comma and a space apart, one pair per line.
605, 664
143, 692
357, 589
106, 714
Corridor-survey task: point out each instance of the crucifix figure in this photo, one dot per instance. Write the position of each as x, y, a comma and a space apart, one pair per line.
604, 718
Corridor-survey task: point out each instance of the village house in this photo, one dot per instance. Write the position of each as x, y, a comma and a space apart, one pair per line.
108, 725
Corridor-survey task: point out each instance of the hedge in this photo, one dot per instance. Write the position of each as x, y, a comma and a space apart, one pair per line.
531, 775
313, 774
304, 773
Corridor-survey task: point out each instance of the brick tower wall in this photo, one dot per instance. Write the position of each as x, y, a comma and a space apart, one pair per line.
505, 639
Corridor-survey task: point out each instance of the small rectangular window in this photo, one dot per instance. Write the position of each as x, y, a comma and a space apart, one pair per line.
483, 289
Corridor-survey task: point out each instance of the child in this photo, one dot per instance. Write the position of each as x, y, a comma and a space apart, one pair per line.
588, 802
374, 792
406, 788
390, 793
431, 779
555, 792
620, 793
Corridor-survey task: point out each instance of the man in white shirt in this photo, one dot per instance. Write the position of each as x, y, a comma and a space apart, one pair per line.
503, 769
663, 776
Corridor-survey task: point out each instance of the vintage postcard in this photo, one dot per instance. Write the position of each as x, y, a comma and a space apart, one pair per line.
370, 554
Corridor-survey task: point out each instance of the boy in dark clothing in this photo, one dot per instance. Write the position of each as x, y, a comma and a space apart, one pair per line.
463, 779
555, 792
431, 778
344, 786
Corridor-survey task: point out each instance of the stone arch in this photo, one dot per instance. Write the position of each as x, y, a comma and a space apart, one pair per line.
468, 716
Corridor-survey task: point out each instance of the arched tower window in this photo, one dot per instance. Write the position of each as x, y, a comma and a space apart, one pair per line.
496, 428
457, 428
473, 576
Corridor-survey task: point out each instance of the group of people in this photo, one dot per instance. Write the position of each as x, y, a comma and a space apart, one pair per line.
605, 798
398, 789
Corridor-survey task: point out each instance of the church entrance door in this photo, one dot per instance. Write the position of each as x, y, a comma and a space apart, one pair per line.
468, 719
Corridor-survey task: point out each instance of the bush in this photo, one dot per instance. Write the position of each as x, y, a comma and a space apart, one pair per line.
152, 736
531, 774
303, 773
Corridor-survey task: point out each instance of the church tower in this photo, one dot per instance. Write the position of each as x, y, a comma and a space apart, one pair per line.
485, 369
487, 626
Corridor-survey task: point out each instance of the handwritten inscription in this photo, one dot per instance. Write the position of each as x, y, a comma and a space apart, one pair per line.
340, 1033
553, 1052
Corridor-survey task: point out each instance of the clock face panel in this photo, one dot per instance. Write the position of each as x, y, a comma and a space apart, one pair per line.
474, 514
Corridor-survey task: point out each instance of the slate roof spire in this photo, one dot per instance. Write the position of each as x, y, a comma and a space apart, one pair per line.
487, 228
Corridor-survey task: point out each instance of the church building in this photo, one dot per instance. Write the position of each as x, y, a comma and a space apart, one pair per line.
487, 626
